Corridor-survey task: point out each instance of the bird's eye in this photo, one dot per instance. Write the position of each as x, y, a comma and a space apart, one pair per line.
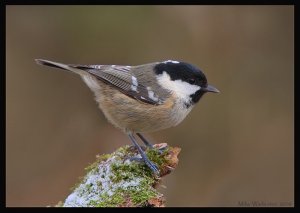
192, 81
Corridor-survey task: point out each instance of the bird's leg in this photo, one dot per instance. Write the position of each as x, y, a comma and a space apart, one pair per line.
148, 144
150, 164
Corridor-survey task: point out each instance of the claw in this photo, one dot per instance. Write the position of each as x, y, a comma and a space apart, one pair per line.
160, 149
153, 167
149, 163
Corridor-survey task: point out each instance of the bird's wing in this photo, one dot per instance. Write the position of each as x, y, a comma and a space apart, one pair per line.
129, 80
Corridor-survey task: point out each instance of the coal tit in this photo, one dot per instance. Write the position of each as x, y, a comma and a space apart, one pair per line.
143, 98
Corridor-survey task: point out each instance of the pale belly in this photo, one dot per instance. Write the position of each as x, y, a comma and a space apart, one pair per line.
131, 115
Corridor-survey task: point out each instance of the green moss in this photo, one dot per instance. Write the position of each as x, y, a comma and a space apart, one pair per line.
156, 157
89, 188
140, 197
92, 168
99, 159
123, 151
127, 172
115, 200
121, 171
140, 194
99, 184
135, 169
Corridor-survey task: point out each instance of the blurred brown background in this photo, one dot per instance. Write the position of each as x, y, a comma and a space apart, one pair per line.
237, 146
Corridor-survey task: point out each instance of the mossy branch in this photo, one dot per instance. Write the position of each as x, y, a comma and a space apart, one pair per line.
116, 181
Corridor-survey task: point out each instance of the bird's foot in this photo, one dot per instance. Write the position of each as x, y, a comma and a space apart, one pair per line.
149, 163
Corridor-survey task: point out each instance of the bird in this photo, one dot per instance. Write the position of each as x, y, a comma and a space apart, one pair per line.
143, 98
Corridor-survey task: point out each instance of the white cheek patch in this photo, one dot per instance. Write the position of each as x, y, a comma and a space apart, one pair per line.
170, 61
180, 88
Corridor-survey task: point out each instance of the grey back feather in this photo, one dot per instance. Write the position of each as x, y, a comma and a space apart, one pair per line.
138, 82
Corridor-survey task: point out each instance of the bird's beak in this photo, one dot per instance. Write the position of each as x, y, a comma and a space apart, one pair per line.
211, 88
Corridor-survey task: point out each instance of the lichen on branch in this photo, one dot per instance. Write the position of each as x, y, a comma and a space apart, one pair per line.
115, 180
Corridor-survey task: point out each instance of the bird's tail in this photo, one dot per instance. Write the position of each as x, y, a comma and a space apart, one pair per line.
59, 65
